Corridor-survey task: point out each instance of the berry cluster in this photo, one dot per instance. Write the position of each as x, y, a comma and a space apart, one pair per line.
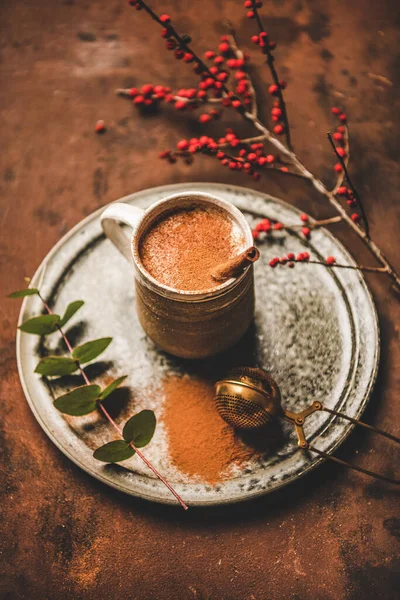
339, 136
266, 226
244, 156
290, 259
252, 6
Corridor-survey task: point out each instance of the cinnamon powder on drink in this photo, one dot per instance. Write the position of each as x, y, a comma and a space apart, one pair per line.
200, 443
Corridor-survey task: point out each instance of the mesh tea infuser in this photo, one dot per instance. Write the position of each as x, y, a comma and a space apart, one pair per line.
249, 398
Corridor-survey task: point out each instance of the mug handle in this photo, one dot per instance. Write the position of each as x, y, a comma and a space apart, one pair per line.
110, 220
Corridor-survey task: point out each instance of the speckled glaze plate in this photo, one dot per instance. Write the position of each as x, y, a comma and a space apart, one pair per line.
315, 330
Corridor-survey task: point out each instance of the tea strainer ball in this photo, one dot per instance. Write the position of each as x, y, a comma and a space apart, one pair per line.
248, 398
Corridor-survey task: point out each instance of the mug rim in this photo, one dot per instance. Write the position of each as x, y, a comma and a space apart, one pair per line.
206, 293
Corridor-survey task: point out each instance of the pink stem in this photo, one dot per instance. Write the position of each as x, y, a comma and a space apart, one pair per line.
113, 423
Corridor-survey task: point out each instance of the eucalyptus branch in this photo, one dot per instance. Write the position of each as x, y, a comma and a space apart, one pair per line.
138, 430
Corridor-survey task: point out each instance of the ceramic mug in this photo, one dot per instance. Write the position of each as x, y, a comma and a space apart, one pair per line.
188, 324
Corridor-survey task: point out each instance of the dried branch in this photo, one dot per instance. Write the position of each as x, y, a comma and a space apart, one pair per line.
239, 54
351, 186
265, 45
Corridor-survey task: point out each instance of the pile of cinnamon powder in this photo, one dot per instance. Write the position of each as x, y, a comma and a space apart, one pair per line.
200, 443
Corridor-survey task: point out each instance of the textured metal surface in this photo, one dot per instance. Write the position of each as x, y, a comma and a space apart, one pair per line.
315, 331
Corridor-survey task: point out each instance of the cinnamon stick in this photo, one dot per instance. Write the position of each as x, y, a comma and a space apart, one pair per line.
236, 265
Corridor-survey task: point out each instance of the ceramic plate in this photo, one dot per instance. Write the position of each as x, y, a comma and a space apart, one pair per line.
315, 330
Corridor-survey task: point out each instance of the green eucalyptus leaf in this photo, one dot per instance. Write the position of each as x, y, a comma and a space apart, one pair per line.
80, 401
23, 293
113, 386
140, 428
72, 308
56, 365
114, 452
90, 350
41, 325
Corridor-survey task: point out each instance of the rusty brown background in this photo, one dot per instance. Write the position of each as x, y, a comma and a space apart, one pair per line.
333, 535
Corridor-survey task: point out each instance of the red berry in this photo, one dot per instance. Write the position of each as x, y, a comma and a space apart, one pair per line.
165, 154
209, 54
100, 127
180, 105
182, 145
278, 226
165, 32
341, 128
223, 47
338, 168
188, 57
273, 262
306, 256
343, 118
342, 152
147, 89
236, 103
291, 265
338, 137
290, 256
282, 85
278, 129
272, 45
179, 53
222, 76
250, 14
248, 4
138, 100
255, 39
335, 111
265, 225
342, 191
165, 19
256, 235
306, 231
240, 75
305, 218
218, 60
355, 217
285, 169
330, 260
204, 118
273, 89
270, 158
276, 112
251, 157
232, 165
220, 155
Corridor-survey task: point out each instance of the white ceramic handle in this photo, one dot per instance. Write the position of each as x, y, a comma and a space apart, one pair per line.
110, 221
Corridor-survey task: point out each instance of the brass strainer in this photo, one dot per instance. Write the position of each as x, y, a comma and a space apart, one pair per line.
249, 398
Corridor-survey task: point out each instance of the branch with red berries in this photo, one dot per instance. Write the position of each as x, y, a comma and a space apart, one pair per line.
224, 81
